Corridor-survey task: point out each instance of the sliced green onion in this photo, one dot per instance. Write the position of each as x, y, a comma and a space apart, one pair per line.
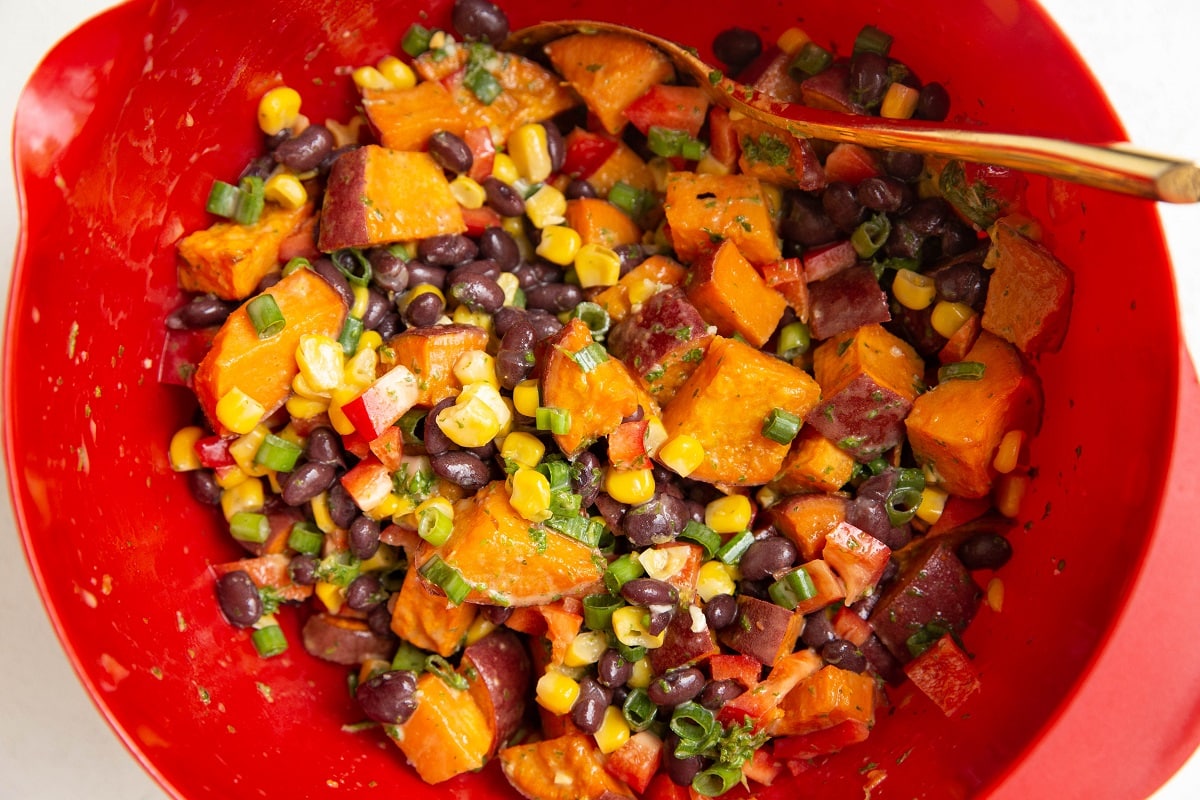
902, 502
558, 473
250, 200
877, 466
578, 528
293, 264
352, 331
621, 571
408, 425
872, 40
555, 420
594, 316
793, 588
702, 535
434, 526
483, 85
269, 641
223, 199
696, 727
811, 59
277, 454
731, 552
340, 569
565, 503
591, 356
638, 709
305, 539
781, 426
345, 260
446, 577
716, 780
441, 667
598, 610
871, 235
664, 142
794, 340
265, 316
631, 200
409, 657
416, 40
249, 526
692, 149
631, 654
961, 371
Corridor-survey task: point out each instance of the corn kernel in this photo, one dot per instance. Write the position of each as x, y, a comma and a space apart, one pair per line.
522, 448
230, 476
305, 407
631, 486
278, 109
546, 208
664, 563
503, 168
933, 503
643, 673
286, 190
557, 692
792, 39
597, 265
766, 497
385, 508
509, 284
480, 627
331, 595
320, 359
656, 435
398, 74
246, 496
994, 595
913, 290
900, 102
586, 648
468, 192
1008, 453
245, 446
416, 291
530, 152
371, 78
527, 397
630, 626
360, 369
488, 394
385, 558
1009, 492
948, 317
614, 731
238, 411
729, 514
339, 397
477, 417
475, 366
530, 495
182, 450
711, 166
643, 290
714, 578
682, 454
320, 512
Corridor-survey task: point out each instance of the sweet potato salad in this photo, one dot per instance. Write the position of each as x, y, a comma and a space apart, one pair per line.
601, 432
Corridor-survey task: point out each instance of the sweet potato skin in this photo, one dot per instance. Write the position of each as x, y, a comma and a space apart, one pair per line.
846, 300
763, 630
704, 210
229, 260
777, 158
498, 675
662, 343
1029, 297
429, 620
430, 353
729, 293
609, 71
447, 734
646, 279
534, 770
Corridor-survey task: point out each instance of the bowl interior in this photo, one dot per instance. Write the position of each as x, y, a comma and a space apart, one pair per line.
119, 136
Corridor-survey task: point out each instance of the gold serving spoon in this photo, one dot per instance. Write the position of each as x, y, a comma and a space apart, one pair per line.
1117, 167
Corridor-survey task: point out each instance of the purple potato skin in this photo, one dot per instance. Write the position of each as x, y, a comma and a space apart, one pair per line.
864, 418
762, 630
662, 343
682, 646
347, 178
498, 676
846, 300
830, 89
344, 641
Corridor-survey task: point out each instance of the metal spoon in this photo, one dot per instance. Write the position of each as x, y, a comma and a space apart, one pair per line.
1116, 167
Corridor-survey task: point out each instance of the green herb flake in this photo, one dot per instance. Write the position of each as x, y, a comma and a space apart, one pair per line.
766, 149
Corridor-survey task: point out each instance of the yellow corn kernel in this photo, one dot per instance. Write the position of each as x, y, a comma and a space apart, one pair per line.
682, 454
245, 446
948, 317
438, 503
791, 40
527, 397
320, 359
182, 450
900, 102
711, 166
994, 595
238, 411
331, 595
286, 190
301, 386
1009, 492
468, 192
465, 316
597, 265
504, 169
486, 393
369, 77
398, 74
404, 513
385, 558
614, 730
339, 397
557, 692
385, 508
510, 285
643, 673
729, 514
714, 578
480, 628
530, 152
913, 290
586, 648
631, 486
475, 366
522, 448
664, 563
933, 503
246, 496
530, 495
1008, 453
643, 290
362, 296
278, 109
320, 512
360, 370
545, 208
306, 407
473, 420
656, 435
228, 477
629, 624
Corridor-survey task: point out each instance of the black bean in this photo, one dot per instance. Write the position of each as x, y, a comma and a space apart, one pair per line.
436, 442
324, 446
767, 558
869, 78
379, 620
390, 325
450, 152
537, 273
579, 188
378, 307
480, 266
390, 698
659, 619
681, 770
388, 270
365, 592
447, 249
554, 297
585, 478
261, 167
499, 246
202, 483
267, 281
481, 20
239, 599
933, 102
903, 165
544, 323
928, 216
335, 154
718, 693
306, 482
958, 238
631, 255
424, 310
555, 145
638, 415
649, 592
514, 358
905, 242
676, 686
363, 537
302, 569
883, 194
342, 509
965, 281
806, 222
736, 47
844, 655
477, 292
497, 615
720, 611
306, 150
334, 277
421, 272
203, 311
656, 521
504, 320
612, 670
484, 452
588, 711
842, 206
818, 629
462, 469
985, 550
868, 511
503, 199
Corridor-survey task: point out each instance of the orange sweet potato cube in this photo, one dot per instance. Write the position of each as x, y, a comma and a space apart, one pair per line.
1029, 296
807, 518
430, 353
640, 284
568, 767
827, 698
447, 734
729, 293
814, 464
229, 260
600, 222
705, 210
429, 620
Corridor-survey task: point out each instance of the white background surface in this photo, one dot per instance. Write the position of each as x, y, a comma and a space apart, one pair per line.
53, 743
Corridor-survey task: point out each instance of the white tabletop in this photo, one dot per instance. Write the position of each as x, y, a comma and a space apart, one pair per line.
53, 743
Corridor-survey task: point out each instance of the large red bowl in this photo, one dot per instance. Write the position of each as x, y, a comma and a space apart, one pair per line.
1091, 679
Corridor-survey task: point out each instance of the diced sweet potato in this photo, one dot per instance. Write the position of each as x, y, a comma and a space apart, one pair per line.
830, 697
1029, 296
600, 222
508, 560
378, 196
228, 259
763, 630
662, 343
430, 353
650, 277
344, 640
682, 645
814, 464
609, 71
264, 368
624, 165
597, 400
447, 734
776, 157
730, 294
724, 403
869, 379
830, 90
565, 768
705, 210
955, 427
406, 118
858, 558
846, 300
775, 79
429, 620
498, 676
806, 519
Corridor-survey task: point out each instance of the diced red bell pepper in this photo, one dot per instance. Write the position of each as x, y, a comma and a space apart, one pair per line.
483, 152
213, 452
959, 511
746, 670
383, 402
388, 447
822, 742
851, 163
761, 703
480, 219
627, 445
829, 588
762, 767
354, 444
786, 276
944, 674
636, 761
830, 259
851, 627
182, 352
586, 152
722, 138
857, 557
677, 108
368, 483
663, 788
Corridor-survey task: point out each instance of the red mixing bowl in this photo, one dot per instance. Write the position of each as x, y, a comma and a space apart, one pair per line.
1091, 680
